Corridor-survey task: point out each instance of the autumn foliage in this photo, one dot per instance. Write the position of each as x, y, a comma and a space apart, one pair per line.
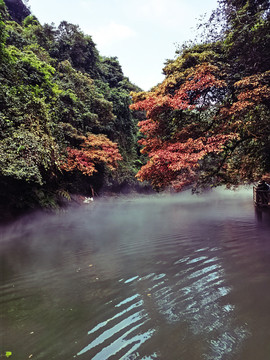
251, 91
176, 138
95, 149
208, 123
196, 83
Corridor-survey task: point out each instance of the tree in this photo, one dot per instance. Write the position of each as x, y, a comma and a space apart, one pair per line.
181, 127
244, 31
2, 32
79, 102
208, 122
246, 109
95, 150
17, 10
72, 44
248, 115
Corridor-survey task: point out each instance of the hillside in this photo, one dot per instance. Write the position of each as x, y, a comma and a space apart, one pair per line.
65, 122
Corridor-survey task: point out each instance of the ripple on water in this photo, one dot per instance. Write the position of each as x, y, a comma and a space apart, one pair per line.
155, 279
197, 295
121, 334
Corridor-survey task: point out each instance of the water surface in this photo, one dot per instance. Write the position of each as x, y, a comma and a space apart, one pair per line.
165, 277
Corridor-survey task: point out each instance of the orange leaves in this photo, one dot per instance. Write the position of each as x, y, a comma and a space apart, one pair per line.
80, 160
247, 99
150, 129
254, 81
256, 95
96, 149
153, 105
251, 91
199, 80
202, 129
101, 149
203, 77
174, 139
175, 164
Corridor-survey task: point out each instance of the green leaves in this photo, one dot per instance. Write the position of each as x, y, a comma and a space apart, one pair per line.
7, 354
54, 89
25, 155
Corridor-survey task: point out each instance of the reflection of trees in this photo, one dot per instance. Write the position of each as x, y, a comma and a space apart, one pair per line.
262, 215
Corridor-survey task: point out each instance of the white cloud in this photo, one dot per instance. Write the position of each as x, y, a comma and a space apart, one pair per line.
112, 33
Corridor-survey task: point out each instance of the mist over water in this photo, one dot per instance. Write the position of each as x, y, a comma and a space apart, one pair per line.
153, 277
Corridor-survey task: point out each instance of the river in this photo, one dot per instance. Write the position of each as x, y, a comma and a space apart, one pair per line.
174, 277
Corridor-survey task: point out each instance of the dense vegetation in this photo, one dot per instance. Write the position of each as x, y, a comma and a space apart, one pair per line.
208, 122
65, 121
67, 124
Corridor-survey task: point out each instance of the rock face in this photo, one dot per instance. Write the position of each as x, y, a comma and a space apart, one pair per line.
17, 10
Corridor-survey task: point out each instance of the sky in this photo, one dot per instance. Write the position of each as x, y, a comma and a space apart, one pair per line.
142, 34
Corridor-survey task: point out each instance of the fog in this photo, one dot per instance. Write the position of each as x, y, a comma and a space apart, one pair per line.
114, 278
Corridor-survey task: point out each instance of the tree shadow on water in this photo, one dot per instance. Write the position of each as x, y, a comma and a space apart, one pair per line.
262, 216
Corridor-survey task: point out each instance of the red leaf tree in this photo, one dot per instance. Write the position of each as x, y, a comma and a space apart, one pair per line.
178, 132
248, 115
95, 149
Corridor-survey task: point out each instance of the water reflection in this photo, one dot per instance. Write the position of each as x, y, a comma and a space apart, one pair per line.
149, 278
262, 216
198, 296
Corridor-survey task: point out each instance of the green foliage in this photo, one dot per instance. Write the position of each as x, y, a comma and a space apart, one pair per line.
27, 155
70, 43
3, 10
7, 354
116, 88
80, 103
54, 89
3, 34
30, 20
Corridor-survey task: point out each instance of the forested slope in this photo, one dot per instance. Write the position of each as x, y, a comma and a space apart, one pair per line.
65, 122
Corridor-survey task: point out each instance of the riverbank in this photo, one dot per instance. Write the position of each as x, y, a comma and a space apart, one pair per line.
63, 200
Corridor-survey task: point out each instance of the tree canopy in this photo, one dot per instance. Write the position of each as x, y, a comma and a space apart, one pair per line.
65, 122
208, 121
